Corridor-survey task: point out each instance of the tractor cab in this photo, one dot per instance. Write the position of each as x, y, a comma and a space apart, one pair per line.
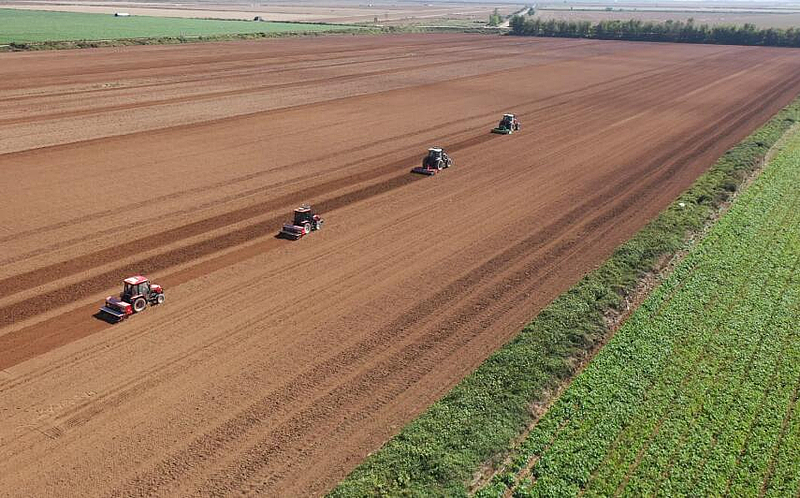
303, 215
135, 286
435, 153
507, 120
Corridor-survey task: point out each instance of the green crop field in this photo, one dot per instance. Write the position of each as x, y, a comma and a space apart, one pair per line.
696, 395
26, 26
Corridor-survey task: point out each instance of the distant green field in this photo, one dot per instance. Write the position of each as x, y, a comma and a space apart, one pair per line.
25, 26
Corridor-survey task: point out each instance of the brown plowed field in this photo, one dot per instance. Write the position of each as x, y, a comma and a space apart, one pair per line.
275, 367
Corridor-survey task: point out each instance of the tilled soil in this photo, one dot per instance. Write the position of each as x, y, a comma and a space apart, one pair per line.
274, 367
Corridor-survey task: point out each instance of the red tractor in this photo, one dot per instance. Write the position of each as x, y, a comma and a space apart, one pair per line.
136, 293
305, 221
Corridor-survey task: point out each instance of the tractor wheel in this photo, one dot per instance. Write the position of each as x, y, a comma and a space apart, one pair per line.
307, 227
160, 299
139, 305
439, 166
448, 163
318, 225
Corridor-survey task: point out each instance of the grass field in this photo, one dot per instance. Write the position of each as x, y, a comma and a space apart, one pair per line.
696, 395
26, 26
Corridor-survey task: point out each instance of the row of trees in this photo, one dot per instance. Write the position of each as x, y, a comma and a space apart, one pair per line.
670, 31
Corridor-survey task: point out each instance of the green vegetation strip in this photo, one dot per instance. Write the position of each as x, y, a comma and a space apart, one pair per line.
26, 26
696, 395
670, 31
476, 422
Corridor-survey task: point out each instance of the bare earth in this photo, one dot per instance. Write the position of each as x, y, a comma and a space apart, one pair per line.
275, 367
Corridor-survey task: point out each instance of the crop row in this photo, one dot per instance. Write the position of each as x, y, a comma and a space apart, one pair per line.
696, 393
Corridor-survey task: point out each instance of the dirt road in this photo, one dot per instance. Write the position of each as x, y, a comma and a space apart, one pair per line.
275, 367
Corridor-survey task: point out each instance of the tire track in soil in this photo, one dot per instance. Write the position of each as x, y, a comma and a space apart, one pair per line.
200, 64
28, 308
226, 70
19, 280
16, 342
69, 293
244, 91
56, 325
652, 80
281, 67
80, 414
53, 332
249, 177
312, 105
28, 280
40, 330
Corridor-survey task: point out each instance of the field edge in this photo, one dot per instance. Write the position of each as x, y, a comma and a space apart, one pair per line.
477, 424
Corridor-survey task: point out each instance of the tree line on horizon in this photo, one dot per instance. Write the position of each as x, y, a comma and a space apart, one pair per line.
669, 31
